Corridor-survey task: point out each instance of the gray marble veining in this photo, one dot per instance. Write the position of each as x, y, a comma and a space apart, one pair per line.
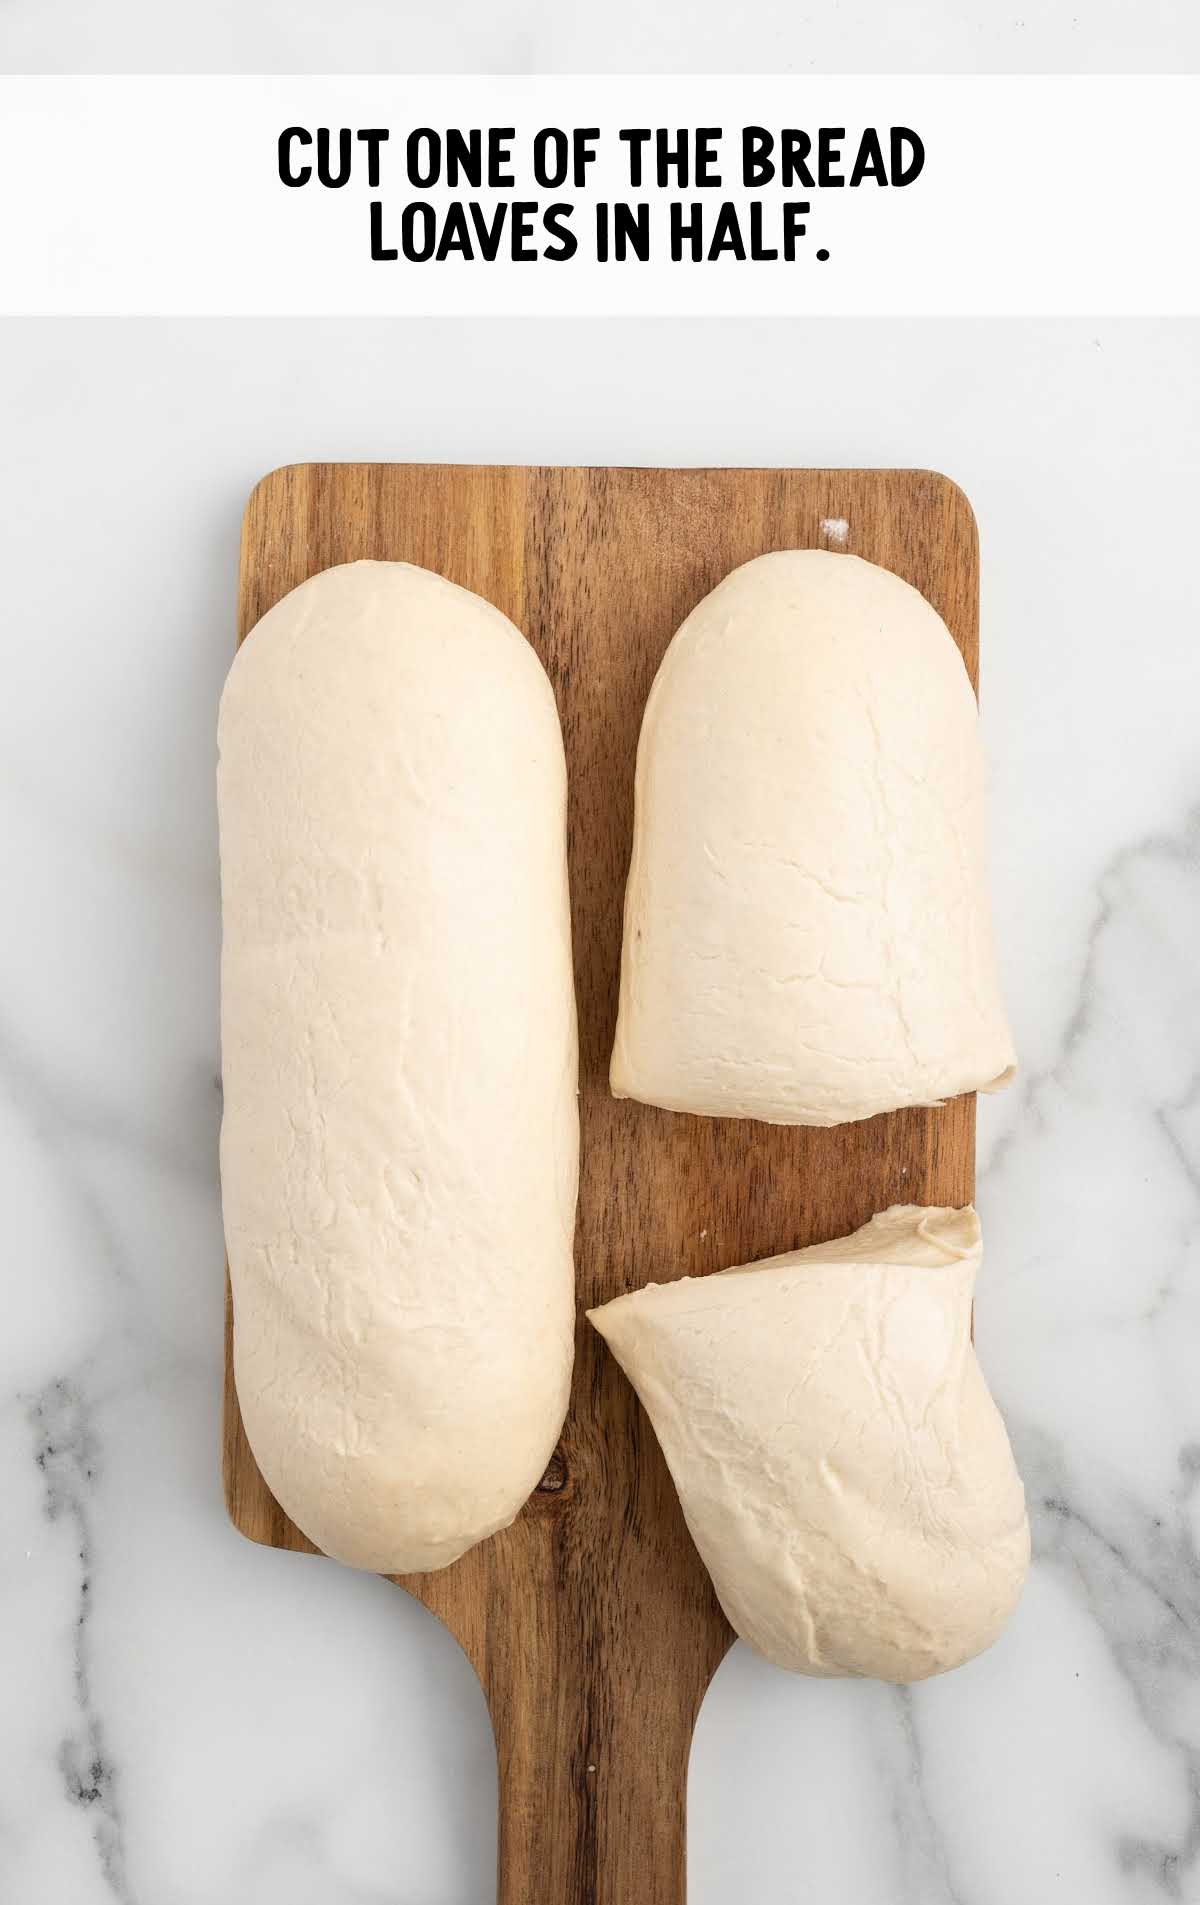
66, 1452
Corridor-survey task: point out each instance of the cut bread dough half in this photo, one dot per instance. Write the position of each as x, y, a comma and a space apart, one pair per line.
399, 1146
807, 926
842, 1467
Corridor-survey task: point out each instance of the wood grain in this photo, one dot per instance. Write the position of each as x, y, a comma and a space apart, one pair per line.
590, 1622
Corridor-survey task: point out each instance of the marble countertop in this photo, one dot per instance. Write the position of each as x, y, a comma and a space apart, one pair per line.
190, 1720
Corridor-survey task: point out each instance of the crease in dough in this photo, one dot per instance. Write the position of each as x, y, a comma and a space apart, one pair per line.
843, 1470
807, 922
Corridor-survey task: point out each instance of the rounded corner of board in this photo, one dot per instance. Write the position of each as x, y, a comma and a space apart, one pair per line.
956, 501
283, 476
250, 1530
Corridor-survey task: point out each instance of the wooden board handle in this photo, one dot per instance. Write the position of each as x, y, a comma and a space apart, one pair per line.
592, 1792
594, 1637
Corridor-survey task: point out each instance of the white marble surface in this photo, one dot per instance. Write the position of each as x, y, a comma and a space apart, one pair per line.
623, 36
188, 1720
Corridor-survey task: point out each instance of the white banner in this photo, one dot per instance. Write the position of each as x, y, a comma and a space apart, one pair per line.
573, 195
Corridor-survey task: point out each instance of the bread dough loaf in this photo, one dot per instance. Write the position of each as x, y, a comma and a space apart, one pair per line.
807, 929
844, 1472
399, 1149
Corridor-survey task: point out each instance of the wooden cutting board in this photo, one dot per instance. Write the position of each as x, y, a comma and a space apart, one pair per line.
590, 1621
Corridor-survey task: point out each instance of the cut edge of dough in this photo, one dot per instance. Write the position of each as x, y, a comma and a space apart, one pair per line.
933, 1224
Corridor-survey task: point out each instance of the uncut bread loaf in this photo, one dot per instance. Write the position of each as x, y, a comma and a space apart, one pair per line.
807, 924
399, 1148
843, 1470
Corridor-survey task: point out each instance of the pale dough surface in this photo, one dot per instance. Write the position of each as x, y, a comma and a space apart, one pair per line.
807, 923
842, 1467
399, 1151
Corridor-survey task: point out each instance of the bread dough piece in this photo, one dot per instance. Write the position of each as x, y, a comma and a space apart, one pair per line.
399, 1151
807, 930
843, 1470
